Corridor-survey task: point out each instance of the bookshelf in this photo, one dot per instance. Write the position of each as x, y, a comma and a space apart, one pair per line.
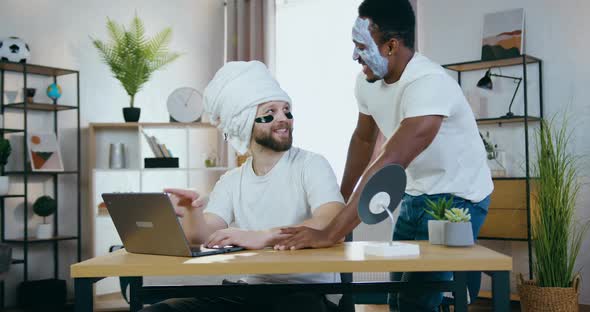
191, 143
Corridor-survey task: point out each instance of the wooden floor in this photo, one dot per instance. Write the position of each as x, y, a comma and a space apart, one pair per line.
116, 304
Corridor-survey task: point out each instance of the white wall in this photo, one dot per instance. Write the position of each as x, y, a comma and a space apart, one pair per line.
450, 31
315, 66
58, 33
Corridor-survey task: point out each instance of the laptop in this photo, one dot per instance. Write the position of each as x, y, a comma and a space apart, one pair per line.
147, 224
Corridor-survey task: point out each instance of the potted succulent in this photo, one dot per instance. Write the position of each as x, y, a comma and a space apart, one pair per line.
557, 234
458, 231
133, 58
45, 206
436, 227
5, 150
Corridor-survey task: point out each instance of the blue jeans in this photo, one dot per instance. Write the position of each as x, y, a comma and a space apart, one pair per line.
412, 224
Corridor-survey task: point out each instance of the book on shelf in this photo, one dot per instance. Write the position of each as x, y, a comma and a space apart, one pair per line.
152, 144
165, 150
159, 149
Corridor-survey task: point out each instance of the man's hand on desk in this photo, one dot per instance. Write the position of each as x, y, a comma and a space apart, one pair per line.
304, 237
243, 238
185, 199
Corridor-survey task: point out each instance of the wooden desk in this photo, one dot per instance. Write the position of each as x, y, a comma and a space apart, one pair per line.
347, 257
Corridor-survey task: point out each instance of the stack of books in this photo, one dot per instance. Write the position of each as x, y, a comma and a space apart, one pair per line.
159, 150
163, 157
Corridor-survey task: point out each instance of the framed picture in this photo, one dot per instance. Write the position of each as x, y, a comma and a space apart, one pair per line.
503, 35
44, 152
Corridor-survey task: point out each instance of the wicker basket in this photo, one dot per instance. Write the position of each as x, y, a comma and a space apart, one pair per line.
548, 299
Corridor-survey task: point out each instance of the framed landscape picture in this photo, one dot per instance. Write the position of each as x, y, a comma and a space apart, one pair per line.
503, 35
44, 152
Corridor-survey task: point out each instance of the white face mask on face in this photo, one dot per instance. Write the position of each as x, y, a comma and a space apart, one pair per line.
370, 55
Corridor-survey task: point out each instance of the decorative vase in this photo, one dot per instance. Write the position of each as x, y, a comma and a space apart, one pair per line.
436, 231
117, 156
44, 230
131, 114
10, 96
4, 185
29, 94
458, 234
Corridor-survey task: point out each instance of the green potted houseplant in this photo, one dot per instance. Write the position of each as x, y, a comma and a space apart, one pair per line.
436, 227
557, 236
133, 58
5, 150
458, 231
45, 206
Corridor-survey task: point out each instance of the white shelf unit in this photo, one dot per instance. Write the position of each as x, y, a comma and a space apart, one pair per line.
192, 143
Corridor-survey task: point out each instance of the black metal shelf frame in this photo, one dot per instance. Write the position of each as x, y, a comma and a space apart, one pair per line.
50, 108
522, 60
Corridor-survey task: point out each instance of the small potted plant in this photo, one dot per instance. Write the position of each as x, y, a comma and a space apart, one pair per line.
436, 227
5, 150
458, 231
45, 206
133, 58
495, 156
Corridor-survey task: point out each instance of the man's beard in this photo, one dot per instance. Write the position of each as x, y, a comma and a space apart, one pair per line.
373, 79
266, 140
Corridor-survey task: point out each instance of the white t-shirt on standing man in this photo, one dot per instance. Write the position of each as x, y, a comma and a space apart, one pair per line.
455, 162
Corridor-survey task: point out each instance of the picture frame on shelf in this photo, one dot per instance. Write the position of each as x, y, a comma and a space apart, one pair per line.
503, 35
44, 152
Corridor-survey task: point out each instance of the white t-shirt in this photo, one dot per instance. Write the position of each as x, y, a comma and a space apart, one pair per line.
455, 162
299, 183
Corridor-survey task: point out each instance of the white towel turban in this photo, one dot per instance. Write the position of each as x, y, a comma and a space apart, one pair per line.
232, 96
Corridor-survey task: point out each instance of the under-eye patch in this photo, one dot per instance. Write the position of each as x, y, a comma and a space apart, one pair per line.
269, 118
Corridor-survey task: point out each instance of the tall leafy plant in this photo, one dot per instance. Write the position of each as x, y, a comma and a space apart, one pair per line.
132, 57
557, 236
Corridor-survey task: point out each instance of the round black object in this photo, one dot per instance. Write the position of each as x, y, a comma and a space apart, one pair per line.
391, 179
45, 206
131, 114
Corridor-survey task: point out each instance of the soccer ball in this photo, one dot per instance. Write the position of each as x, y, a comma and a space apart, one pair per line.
14, 49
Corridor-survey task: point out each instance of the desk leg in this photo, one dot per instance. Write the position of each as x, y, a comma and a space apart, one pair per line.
83, 292
460, 293
501, 290
135, 285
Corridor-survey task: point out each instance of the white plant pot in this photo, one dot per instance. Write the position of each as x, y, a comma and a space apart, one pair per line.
436, 231
44, 230
458, 234
4, 185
